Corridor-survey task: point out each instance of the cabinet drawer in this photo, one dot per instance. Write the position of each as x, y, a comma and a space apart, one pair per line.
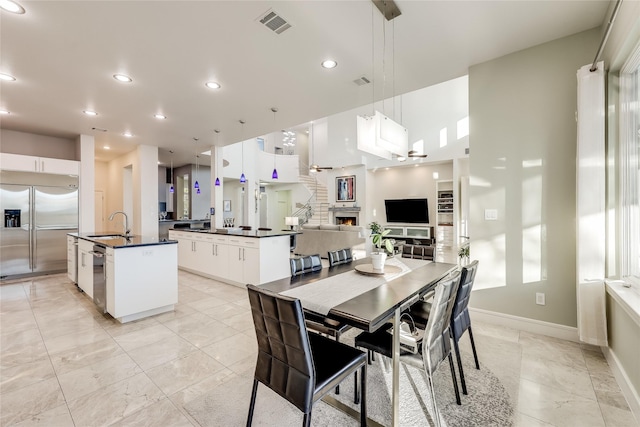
246, 242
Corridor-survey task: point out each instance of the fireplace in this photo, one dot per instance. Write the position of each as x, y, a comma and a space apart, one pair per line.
346, 220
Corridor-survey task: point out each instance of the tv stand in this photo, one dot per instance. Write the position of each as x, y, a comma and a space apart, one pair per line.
412, 234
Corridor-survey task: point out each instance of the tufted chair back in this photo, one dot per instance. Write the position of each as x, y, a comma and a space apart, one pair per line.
436, 345
460, 320
341, 256
285, 362
305, 264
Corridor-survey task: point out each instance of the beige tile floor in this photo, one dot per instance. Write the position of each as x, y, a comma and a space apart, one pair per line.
65, 364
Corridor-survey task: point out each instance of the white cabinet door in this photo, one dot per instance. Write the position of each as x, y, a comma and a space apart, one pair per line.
110, 272
85, 266
236, 264
19, 162
220, 265
251, 266
59, 166
72, 259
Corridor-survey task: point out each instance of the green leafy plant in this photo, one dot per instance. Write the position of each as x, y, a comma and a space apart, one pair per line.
463, 252
378, 234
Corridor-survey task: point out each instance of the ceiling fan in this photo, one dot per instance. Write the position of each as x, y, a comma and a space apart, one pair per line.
314, 167
416, 154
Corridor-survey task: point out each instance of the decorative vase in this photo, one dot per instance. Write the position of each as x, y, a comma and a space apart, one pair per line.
378, 259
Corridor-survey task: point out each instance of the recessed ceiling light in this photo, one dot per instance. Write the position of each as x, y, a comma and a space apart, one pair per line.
11, 6
122, 78
212, 85
159, 116
127, 134
4, 112
7, 77
106, 147
90, 113
329, 63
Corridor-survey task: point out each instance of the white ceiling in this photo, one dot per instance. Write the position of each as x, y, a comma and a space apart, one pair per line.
64, 54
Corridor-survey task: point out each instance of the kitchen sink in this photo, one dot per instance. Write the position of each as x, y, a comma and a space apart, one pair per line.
106, 236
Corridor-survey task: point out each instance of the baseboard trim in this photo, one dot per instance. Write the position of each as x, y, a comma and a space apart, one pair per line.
523, 324
629, 392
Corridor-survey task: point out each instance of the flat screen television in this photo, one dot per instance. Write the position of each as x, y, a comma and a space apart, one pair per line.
410, 211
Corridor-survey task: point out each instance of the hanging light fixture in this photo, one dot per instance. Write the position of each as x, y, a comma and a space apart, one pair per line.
274, 174
378, 134
171, 189
196, 185
243, 179
217, 131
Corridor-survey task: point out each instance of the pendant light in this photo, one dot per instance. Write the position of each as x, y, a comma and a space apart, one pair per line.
217, 131
274, 174
196, 185
171, 189
243, 179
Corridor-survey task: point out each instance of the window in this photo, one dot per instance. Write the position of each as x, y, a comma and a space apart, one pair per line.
629, 170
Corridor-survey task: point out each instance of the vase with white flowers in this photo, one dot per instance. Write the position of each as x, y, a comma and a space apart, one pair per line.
379, 256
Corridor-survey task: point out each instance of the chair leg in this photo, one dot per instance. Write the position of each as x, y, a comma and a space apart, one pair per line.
254, 391
338, 340
356, 395
473, 347
363, 396
369, 357
459, 359
455, 380
436, 414
306, 422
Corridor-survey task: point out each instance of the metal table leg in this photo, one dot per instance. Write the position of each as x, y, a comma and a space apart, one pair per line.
395, 393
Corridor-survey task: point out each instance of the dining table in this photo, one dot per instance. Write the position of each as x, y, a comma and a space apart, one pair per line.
351, 294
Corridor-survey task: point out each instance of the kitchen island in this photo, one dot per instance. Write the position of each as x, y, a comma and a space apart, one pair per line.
235, 256
128, 277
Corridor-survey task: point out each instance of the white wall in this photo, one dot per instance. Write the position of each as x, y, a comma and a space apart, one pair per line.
523, 145
30, 144
404, 183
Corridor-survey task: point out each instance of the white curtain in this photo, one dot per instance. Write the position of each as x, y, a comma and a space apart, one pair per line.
590, 271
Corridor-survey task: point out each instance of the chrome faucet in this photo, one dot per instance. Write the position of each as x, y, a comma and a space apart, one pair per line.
126, 222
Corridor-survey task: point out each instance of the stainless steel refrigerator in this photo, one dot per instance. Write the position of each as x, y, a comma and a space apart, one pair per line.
36, 220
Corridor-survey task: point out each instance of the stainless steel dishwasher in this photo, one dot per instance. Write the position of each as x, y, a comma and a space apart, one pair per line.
99, 277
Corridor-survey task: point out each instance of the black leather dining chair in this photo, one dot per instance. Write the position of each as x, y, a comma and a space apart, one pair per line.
330, 327
299, 366
460, 320
419, 252
305, 264
341, 256
436, 344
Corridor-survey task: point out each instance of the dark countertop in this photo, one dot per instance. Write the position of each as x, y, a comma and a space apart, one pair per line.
240, 233
113, 239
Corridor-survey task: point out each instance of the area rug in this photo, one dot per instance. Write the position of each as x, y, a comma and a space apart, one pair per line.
487, 403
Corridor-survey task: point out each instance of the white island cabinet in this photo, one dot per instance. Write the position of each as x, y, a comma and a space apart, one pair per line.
141, 281
240, 258
137, 275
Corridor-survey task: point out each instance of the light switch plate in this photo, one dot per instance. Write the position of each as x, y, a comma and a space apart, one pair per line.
490, 214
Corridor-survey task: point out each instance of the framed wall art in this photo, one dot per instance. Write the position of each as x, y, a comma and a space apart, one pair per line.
346, 188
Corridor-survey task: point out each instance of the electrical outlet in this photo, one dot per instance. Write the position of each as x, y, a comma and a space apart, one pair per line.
540, 300
147, 252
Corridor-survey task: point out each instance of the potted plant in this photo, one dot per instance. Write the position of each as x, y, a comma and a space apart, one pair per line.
463, 253
378, 239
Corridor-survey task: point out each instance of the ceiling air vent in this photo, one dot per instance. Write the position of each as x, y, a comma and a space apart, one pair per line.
274, 22
99, 130
361, 81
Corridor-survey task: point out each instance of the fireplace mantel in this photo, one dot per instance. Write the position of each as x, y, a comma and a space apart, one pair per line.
344, 209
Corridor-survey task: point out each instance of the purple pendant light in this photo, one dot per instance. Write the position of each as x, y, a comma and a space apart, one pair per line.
274, 174
243, 178
217, 179
171, 189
